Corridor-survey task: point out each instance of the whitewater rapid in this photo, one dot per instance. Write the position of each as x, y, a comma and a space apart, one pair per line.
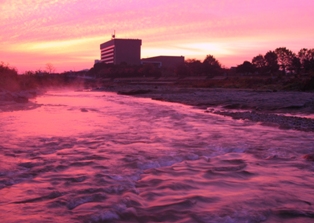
103, 157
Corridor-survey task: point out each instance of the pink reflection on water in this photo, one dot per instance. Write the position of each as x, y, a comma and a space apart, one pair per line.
61, 115
89, 157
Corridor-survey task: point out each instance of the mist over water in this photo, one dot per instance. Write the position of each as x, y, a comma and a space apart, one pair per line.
102, 157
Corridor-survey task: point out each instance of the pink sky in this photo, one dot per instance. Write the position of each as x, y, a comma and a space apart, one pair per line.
67, 33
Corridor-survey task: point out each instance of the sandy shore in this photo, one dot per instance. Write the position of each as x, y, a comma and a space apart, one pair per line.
285, 109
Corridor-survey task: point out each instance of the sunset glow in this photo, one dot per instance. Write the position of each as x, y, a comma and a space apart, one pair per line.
68, 33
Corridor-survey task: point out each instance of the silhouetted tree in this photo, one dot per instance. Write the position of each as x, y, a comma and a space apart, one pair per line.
247, 67
260, 63
195, 67
8, 77
211, 65
182, 70
150, 70
50, 68
7, 71
271, 60
295, 65
285, 58
97, 69
306, 57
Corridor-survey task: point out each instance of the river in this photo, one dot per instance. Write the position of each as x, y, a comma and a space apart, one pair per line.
103, 157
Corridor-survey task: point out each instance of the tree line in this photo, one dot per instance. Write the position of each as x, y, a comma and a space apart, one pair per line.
277, 62
10, 80
192, 67
280, 60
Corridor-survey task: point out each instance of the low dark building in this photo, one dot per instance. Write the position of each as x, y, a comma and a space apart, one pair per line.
170, 62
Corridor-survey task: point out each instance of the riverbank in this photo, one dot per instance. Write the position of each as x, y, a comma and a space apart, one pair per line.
285, 109
17, 100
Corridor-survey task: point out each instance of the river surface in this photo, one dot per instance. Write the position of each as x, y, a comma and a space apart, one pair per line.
102, 157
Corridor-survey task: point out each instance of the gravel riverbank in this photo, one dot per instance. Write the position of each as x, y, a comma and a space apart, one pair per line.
285, 109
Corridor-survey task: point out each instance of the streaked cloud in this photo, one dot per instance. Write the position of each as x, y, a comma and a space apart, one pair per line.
73, 29
54, 46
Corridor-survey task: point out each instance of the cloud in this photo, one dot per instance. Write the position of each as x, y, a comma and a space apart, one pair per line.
195, 28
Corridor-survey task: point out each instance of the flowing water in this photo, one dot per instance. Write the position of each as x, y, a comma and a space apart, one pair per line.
102, 157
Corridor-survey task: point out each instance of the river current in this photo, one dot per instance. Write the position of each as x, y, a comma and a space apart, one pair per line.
103, 157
